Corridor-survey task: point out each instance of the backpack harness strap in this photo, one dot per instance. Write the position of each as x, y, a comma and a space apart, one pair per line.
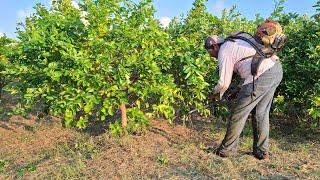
256, 59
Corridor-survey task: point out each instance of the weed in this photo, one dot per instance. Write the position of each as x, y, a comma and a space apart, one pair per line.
26, 169
162, 159
3, 165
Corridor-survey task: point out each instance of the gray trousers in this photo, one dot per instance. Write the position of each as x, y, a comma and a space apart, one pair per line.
259, 105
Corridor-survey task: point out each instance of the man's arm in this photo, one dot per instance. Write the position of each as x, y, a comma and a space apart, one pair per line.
226, 59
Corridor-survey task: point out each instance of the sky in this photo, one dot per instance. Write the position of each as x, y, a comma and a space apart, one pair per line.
14, 11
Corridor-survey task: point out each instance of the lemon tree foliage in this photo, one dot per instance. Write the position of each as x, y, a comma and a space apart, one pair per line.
191, 67
7, 47
84, 61
194, 71
301, 61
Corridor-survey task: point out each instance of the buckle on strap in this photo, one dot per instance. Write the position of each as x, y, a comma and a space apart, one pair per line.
252, 94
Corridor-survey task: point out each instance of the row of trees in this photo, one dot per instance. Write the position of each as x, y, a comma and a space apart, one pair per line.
85, 62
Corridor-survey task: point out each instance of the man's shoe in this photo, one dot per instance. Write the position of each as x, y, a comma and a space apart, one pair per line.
218, 152
261, 155
222, 154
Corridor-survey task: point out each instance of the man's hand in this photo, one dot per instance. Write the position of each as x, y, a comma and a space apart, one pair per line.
214, 96
233, 94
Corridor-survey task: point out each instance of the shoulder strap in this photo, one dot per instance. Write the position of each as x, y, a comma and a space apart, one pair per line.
246, 58
249, 39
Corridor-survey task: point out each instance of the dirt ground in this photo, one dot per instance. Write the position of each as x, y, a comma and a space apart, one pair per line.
41, 149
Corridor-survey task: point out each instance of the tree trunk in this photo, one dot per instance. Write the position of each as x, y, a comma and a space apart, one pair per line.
124, 120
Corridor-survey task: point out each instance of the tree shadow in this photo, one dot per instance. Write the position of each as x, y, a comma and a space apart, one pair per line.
286, 132
7, 102
288, 135
39, 117
207, 129
97, 127
22, 169
6, 127
282, 129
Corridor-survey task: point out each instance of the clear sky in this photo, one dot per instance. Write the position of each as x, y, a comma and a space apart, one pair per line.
13, 11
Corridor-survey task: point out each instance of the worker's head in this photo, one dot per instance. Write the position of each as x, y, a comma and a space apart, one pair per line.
268, 31
212, 45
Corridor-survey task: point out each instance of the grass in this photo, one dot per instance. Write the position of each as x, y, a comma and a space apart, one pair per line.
35, 150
